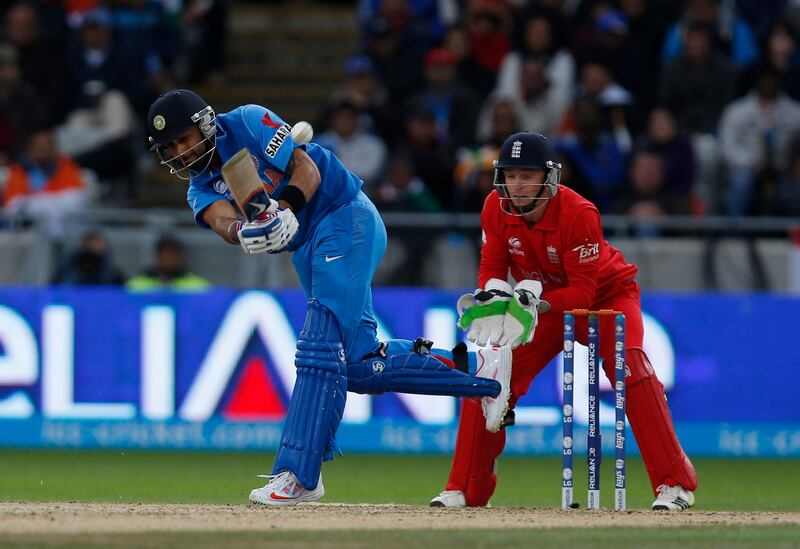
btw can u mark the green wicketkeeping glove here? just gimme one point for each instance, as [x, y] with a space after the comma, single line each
[519, 322]
[481, 313]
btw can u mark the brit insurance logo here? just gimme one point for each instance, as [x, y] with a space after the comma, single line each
[587, 252]
[516, 149]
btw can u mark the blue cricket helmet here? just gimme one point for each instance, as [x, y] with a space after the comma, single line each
[172, 115]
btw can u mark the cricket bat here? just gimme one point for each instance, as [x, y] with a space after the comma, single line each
[241, 177]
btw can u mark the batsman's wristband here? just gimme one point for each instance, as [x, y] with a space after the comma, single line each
[294, 197]
[232, 236]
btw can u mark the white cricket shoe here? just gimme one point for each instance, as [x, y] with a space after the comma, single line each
[284, 489]
[495, 363]
[673, 498]
[450, 498]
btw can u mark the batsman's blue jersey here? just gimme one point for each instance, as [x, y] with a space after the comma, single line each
[341, 238]
[268, 139]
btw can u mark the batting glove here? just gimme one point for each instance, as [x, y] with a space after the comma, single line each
[271, 232]
[481, 313]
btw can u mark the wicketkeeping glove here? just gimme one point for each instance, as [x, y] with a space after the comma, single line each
[270, 232]
[519, 322]
[481, 313]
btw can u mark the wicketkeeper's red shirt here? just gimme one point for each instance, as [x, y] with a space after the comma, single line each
[565, 250]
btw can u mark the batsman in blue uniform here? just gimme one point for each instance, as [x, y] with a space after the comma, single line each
[337, 239]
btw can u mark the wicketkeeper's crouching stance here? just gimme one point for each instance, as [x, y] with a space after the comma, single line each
[252, 184]
[550, 239]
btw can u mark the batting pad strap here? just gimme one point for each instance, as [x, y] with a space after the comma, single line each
[318, 398]
[461, 357]
[416, 374]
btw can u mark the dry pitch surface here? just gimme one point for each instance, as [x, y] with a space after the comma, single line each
[99, 518]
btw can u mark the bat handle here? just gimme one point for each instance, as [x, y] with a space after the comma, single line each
[258, 205]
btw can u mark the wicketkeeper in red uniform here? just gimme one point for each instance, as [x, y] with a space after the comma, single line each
[550, 239]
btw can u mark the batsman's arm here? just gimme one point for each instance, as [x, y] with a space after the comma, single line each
[222, 218]
[304, 175]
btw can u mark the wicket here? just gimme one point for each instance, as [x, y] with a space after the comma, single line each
[594, 443]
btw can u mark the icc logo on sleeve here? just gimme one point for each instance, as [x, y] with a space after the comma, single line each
[220, 187]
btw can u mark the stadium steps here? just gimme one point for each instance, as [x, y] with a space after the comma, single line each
[288, 58]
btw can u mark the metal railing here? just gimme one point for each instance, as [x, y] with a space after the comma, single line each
[617, 224]
[416, 254]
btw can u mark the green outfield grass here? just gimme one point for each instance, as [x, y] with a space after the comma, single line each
[223, 477]
[217, 477]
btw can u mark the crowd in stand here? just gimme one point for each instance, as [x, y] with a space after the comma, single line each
[656, 107]
[76, 78]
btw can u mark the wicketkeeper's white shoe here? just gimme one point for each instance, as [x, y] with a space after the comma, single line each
[284, 489]
[450, 498]
[673, 498]
[495, 363]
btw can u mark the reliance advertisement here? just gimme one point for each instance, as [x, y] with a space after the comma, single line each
[214, 370]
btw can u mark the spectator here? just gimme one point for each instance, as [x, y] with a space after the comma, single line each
[22, 108]
[431, 157]
[362, 153]
[99, 136]
[675, 150]
[397, 67]
[647, 24]
[403, 190]
[647, 198]
[608, 43]
[205, 37]
[696, 86]
[784, 56]
[698, 83]
[453, 105]
[363, 88]
[419, 23]
[90, 263]
[730, 35]
[488, 25]
[96, 57]
[474, 176]
[612, 101]
[755, 134]
[470, 73]
[40, 63]
[538, 43]
[169, 271]
[542, 107]
[142, 28]
[499, 118]
[44, 185]
[596, 160]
